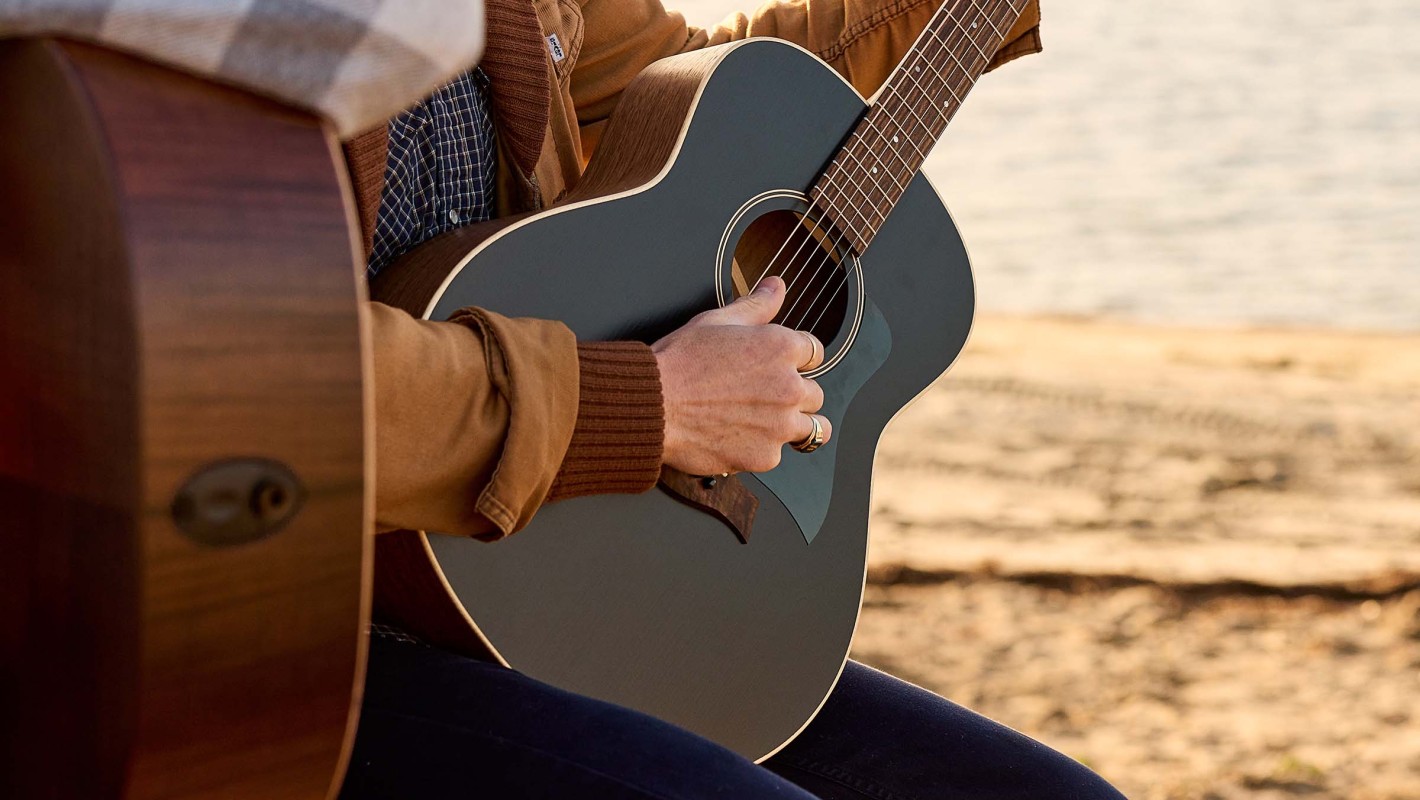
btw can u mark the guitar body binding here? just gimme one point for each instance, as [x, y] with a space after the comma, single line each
[642, 600]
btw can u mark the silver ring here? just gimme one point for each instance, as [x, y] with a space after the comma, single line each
[814, 440]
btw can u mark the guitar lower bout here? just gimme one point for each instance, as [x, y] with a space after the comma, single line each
[698, 187]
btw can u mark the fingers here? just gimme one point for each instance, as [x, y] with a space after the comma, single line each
[806, 429]
[756, 308]
[813, 396]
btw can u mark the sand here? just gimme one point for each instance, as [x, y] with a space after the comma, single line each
[1186, 557]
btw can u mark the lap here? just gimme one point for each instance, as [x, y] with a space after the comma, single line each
[880, 737]
[437, 725]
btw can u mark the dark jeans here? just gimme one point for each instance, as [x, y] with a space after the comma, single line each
[436, 725]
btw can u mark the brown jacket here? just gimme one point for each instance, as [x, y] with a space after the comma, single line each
[482, 419]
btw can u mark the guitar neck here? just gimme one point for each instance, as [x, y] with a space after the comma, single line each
[871, 170]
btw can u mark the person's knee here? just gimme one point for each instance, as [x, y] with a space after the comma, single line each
[1067, 779]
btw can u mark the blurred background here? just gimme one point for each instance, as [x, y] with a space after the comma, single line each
[1164, 513]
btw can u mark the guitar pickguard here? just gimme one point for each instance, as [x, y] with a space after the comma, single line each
[803, 482]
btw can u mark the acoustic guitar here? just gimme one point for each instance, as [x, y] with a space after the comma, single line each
[183, 522]
[725, 605]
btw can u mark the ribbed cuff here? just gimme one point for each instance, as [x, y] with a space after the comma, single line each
[617, 442]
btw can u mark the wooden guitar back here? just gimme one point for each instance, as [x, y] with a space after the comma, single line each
[183, 522]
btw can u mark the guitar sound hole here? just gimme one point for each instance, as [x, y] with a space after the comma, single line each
[788, 244]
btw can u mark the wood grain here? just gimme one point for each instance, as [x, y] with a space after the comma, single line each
[648, 124]
[178, 287]
[725, 497]
[411, 592]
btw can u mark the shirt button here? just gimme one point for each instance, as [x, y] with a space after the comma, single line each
[453, 216]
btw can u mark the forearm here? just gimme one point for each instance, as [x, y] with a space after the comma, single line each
[465, 442]
[481, 420]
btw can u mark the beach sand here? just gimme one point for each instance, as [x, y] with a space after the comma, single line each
[1186, 557]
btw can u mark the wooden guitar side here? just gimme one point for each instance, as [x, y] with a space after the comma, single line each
[178, 289]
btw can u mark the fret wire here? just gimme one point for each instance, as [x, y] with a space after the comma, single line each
[947, 82]
[831, 205]
[866, 195]
[950, 50]
[851, 193]
[913, 112]
[987, 17]
[883, 164]
[856, 222]
[855, 208]
[851, 161]
[936, 34]
[841, 189]
[850, 151]
[912, 105]
[902, 128]
[1008, 18]
[911, 166]
[900, 101]
[879, 159]
[868, 120]
[975, 45]
[943, 78]
[858, 134]
[947, 47]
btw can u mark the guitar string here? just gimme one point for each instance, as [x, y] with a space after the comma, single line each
[945, 118]
[911, 108]
[808, 235]
[769, 268]
[911, 105]
[932, 133]
[829, 256]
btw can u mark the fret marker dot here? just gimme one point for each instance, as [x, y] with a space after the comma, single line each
[894, 140]
[875, 170]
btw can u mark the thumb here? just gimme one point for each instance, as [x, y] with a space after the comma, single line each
[756, 308]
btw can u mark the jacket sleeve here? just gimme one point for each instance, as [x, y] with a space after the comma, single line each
[862, 39]
[481, 419]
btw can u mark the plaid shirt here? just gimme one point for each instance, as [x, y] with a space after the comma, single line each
[439, 174]
[355, 63]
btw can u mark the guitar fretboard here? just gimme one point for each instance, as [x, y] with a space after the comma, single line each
[872, 169]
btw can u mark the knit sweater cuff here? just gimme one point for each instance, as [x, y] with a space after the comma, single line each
[616, 444]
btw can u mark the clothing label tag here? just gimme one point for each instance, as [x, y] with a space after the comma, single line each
[556, 47]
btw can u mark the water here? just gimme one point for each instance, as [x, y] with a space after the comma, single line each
[1205, 161]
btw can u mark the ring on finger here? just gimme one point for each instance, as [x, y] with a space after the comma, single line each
[815, 352]
[814, 440]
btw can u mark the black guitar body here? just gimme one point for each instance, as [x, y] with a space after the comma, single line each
[643, 600]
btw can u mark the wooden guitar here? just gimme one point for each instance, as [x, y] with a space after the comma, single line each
[183, 566]
[718, 167]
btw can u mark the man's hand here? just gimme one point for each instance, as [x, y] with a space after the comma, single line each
[732, 387]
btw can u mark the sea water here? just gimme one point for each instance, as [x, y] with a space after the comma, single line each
[1207, 161]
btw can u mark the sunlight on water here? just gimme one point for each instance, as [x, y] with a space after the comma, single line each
[1207, 161]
